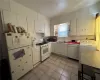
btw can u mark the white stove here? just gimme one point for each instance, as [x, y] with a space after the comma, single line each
[44, 50]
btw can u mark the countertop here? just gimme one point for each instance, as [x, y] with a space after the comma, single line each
[67, 42]
[91, 59]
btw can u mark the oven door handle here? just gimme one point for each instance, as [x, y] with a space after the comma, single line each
[45, 46]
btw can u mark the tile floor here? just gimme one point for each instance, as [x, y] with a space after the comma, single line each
[54, 68]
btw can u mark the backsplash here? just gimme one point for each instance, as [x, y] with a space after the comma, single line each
[77, 38]
[39, 36]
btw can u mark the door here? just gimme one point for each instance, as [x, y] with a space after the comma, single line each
[53, 47]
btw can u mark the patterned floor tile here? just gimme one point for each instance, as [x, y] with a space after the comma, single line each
[54, 68]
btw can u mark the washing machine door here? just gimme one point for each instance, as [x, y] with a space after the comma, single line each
[25, 40]
[16, 65]
[12, 40]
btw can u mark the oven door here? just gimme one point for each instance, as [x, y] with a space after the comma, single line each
[44, 52]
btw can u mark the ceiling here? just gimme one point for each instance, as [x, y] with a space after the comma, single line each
[52, 8]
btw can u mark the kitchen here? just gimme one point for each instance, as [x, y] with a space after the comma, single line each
[51, 46]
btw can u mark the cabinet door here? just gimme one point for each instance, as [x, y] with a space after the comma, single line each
[30, 23]
[39, 26]
[73, 52]
[9, 17]
[42, 26]
[62, 49]
[36, 54]
[47, 28]
[53, 47]
[82, 16]
[73, 27]
[49, 47]
[22, 21]
[90, 29]
[56, 48]
[5, 4]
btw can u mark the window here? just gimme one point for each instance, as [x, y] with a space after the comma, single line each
[61, 30]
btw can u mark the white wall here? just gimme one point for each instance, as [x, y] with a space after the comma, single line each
[78, 19]
[22, 14]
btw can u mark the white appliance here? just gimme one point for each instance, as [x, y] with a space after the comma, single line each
[16, 40]
[44, 50]
[87, 46]
[20, 64]
[19, 53]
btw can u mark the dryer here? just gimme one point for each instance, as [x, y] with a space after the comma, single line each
[12, 40]
[16, 40]
[20, 61]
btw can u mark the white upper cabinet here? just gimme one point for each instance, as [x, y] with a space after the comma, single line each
[85, 22]
[73, 27]
[39, 24]
[22, 21]
[47, 28]
[73, 24]
[9, 17]
[30, 23]
[5, 4]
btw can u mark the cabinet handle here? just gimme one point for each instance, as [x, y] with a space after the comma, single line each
[12, 71]
[18, 65]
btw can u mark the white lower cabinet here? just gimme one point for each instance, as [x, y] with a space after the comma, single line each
[73, 51]
[59, 48]
[36, 54]
[69, 50]
[62, 49]
[49, 47]
[52, 47]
